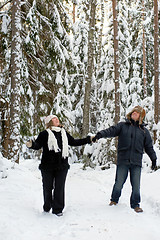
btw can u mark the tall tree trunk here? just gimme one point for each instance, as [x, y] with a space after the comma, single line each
[4, 105]
[90, 68]
[15, 83]
[5, 127]
[100, 36]
[116, 64]
[116, 69]
[156, 68]
[74, 10]
[144, 56]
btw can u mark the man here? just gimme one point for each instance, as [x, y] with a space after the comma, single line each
[133, 138]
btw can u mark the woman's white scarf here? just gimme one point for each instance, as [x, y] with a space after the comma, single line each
[52, 141]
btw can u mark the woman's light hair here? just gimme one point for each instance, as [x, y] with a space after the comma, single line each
[50, 124]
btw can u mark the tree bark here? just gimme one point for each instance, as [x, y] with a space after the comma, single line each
[116, 69]
[74, 10]
[144, 56]
[90, 69]
[156, 68]
[116, 64]
[5, 127]
[15, 83]
[100, 36]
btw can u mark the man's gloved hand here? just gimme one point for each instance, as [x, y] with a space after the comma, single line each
[29, 143]
[154, 166]
[92, 137]
[96, 137]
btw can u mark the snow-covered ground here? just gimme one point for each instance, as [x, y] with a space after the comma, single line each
[87, 214]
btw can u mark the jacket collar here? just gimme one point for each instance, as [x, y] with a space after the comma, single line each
[131, 121]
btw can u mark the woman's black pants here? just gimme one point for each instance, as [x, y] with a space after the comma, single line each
[54, 190]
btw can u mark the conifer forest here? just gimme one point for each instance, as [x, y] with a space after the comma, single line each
[87, 61]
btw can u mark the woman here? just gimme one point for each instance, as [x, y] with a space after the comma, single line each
[54, 163]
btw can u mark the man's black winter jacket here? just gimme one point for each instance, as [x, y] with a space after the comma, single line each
[133, 140]
[50, 159]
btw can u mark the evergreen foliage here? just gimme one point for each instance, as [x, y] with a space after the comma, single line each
[54, 58]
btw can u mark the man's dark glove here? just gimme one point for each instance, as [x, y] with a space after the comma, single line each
[95, 138]
[154, 166]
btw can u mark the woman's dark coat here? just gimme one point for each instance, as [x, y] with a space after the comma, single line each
[50, 159]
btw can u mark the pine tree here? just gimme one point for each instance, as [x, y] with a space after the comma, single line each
[47, 66]
[49, 62]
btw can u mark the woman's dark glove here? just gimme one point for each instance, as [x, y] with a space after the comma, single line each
[89, 139]
[154, 166]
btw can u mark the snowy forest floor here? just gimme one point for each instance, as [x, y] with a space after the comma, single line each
[87, 214]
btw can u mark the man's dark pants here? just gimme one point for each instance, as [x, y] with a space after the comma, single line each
[121, 176]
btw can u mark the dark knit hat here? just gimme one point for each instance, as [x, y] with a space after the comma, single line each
[139, 110]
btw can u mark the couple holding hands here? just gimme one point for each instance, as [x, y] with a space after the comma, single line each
[133, 139]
